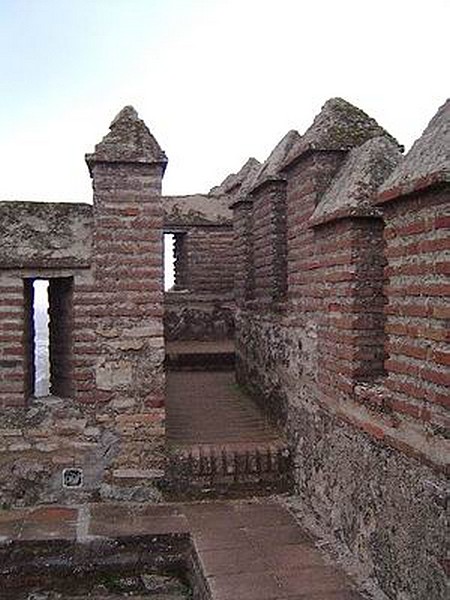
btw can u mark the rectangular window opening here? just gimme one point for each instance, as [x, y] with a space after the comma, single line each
[48, 336]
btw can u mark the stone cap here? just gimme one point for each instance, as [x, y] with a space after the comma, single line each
[275, 161]
[196, 210]
[45, 235]
[233, 182]
[129, 140]
[426, 164]
[352, 191]
[339, 126]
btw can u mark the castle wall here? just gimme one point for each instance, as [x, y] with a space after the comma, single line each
[354, 364]
[336, 266]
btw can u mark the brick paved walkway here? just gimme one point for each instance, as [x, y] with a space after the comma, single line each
[209, 408]
[238, 550]
[220, 445]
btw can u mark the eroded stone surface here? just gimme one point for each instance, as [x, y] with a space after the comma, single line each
[186, 211]
[53, 434]
[44, 234]
[338, 126]
[129, 140]
[427, 162]
[352, 192]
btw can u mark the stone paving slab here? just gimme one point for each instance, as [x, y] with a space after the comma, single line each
[246, 550]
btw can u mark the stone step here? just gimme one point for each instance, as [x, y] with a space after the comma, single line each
[231, 471]
[200, 356]
[195, 361]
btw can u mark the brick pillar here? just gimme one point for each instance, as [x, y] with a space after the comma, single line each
[416, 205]
[125, 298]
[308, 177]
[347, 266]
[349, 261]
[243, 251]
[269, 242]
[418, 289]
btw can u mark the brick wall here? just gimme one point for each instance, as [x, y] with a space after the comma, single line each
[16, 339]
[417, 313]
[210, 260]
[269, 247]
[243, 248]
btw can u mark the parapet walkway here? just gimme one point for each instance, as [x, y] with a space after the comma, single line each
[219, 442]
[234, 550]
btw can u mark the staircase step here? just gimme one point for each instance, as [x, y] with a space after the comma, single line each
[195, 361]
[200, 356]
[219, 443]
[231, 471]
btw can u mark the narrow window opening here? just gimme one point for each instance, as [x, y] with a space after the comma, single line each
[41, 338]
[175, 261]
[48, 336]
[169, 261]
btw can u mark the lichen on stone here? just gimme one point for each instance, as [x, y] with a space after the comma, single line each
[129, 140]
[428, 161]
[338, 126]
[352, 191]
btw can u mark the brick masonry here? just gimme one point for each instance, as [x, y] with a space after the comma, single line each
[354, 363]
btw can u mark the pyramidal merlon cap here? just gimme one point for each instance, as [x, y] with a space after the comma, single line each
[272, 165]
[338, 126]
[353, 191]
[426, 164]
[128, 140]
[237, 180]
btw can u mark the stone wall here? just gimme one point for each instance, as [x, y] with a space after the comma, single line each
[353, 363]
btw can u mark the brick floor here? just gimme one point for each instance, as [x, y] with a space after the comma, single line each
[220, 444]
[209, 408]
[246, 550]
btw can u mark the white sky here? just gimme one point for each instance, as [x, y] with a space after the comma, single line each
[215, 80]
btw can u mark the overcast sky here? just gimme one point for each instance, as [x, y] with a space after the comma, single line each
[216, 81]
